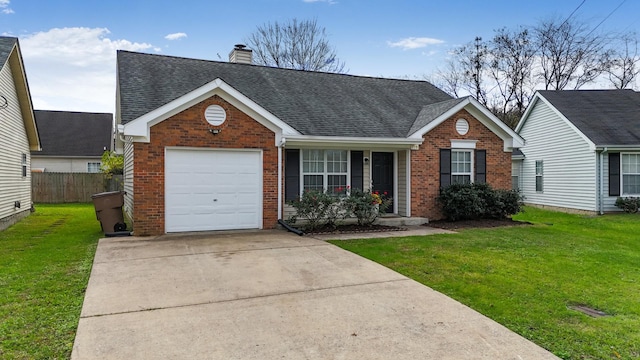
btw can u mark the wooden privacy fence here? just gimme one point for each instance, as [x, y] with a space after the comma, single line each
[71, 187]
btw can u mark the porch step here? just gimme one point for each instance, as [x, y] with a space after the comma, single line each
[401, 221]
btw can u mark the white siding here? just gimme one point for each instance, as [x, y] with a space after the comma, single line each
[128, 179]
[569, 164]
[61, 164]
[401, 196]
[366, 171]
[13, 143]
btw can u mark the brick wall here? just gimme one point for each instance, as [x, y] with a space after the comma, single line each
[189, 128]
[425, 162]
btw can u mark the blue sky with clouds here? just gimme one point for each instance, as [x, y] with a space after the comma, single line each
[69, 46]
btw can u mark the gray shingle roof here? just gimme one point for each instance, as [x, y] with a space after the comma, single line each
[428, 113]
[65, 133]
[314, 103]
[606, 117]
[6, 44]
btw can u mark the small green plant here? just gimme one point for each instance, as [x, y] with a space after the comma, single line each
[628, 204]
[478, 201]
[366, 206]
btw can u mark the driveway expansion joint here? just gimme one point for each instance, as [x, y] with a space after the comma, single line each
[247, 298]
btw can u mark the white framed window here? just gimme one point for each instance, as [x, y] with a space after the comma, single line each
[539, 175]
[325, 170]
[630, 164]
[461, 165]
[24, 165]
[515, 175]
[93, 167]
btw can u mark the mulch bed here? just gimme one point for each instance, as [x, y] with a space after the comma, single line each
[353, 229]
[468, 224]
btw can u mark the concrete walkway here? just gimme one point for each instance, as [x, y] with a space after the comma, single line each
[271, 295]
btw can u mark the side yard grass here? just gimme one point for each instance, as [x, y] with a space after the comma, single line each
[528, 277]
[45, 262]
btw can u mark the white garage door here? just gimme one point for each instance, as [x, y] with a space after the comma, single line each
[212, 190]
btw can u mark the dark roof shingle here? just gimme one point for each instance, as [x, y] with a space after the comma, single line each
[606, 117]
[314, 103]
[6, 44]
[66, 133]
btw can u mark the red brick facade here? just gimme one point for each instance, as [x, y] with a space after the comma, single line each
[425, 162]
[190, 129]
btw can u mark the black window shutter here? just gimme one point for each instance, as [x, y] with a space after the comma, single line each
[357, 169]
[614, 174]
[481, 166]
[291, 174]
[445, 168]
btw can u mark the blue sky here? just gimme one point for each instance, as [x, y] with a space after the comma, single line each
[69, 46]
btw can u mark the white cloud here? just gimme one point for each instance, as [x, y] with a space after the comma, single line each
[176, 36]
[4, 7]
[73, 68]
[414, 43]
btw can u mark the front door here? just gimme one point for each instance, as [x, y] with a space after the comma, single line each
[382, 175]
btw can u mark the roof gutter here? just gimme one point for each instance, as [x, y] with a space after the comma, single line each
[338, 141]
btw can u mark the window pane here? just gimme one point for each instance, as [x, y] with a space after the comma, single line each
[631, 184]
[515, 182]
[312, 161]
[461, 163]
[313, 182]
[539, 183]
[460, 179]
[337, 161]
[337, 184]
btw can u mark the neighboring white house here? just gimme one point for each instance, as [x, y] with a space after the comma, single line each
[72, 142]
[582, 149]
[18, 135]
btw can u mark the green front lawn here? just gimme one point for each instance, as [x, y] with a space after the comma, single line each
[526, 277]
[45, 261]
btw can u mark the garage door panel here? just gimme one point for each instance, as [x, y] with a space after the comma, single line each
[212, 190]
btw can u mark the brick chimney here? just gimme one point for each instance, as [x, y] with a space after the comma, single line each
[241, 55]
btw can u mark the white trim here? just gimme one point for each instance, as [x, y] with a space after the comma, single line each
[463, 144]
[472, 164]
[140, 128]
[511, 138]
[537, 97]
[280, 182]
[325, 173]
[408, 185]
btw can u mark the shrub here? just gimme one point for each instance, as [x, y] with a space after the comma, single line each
[366, 206]
[478, 201]
[628, 204]
[313, 206]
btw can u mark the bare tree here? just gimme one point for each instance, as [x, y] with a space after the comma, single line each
[450, 79]
[623, 69]
[300, 45]
[512, 57]
[571, 53]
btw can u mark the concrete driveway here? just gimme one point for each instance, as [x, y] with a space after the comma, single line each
[271, 295]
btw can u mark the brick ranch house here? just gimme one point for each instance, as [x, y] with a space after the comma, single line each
[214, 145]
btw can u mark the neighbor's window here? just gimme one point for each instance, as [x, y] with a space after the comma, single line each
[24, 165]
[539, 175]
[461, 166]
[630, 174]
[93, 167]
[325, 170]
[515, 175]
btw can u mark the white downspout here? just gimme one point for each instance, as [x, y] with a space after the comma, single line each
[601, 197]
[280, 146]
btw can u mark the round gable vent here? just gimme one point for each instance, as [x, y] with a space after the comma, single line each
[462, 126]
[215, 115]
